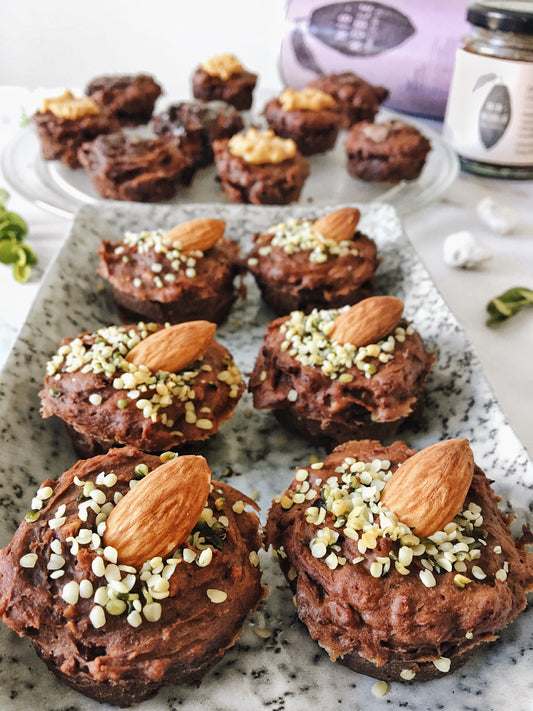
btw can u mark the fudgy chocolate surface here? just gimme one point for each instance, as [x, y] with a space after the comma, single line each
[334, 410]
[127, 167]
[260, 183]
[237, 90]
[291, 281]
[145, 283]
[61, 138]
[193, 126]
[389, 151]
[358, 99]
[392, 623]
[312, 131]
[194, 407]
[131, 98]
[119, 663]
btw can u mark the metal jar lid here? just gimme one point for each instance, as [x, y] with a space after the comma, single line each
[504, 16]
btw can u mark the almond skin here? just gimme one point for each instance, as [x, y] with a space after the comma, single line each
[156, 516]
[429, 489]
[339, 225]
[173, 348]
[200, 234]
[368, 321]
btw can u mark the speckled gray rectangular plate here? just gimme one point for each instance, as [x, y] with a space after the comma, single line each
[286, 671]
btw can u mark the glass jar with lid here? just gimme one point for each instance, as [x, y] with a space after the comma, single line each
[489, 113]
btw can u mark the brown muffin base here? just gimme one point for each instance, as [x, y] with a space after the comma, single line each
[260, 183]
[129, 168]
[312, 131]
[214, 309]
[283, 301]
[86, 447]
[237, 90]
[330, 433]
[390, 671]
[379, 169]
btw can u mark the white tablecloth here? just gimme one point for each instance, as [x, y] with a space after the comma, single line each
[506, 353]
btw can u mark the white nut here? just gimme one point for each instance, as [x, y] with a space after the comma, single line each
[498, 217]
[461, 249]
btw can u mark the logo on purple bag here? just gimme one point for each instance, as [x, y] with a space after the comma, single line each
[360, 29]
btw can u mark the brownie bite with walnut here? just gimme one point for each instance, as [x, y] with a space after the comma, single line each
[131, 98]
[223, 78]
[391, 581]
[390, 151]
[127, 167]
[309, 116]
[194, 126]
[303, 264]
[65, 122]
[184, 274]
[132, 572]
[357, 99]
[340, 374]
[261, 168]
[152, 386]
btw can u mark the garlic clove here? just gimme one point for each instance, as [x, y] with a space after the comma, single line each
[462, 250]
[500, 218]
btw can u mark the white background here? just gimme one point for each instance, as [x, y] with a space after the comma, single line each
[76, 41]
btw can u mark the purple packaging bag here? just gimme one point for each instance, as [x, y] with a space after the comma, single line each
[407, 46]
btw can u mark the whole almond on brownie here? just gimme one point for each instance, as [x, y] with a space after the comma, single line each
[407, 605]
[430, 488]
[122, 562]
[338, 374]
[200, 234]
[158, 514]
[339, 225]
[302, 264]
[149, 385]
[173, 348]
[369, 321]
[186, 273]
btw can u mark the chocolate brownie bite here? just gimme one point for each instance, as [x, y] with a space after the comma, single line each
[152, 386]
[390, 151]
[131, 98]
[223, 78]
[340, 374]
[193, 126]
[357, 99]
[261, 168]
[65, 122]
[184, 274]
[380, 597]
[303, 264]
[128, 167]
[123, 563]
[309, 116]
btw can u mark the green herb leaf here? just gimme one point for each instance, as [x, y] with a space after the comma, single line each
[24, 119]
[508, 304]
[12, 249]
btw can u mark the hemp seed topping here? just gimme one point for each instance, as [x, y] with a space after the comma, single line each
[351, 503]
[104, 352]
[307, 339]
[297, 236]
[122, 589]
[169, 259]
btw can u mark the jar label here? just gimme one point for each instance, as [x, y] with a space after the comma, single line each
[489, 114]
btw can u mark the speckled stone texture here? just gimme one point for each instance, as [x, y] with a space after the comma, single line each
[287, 671]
